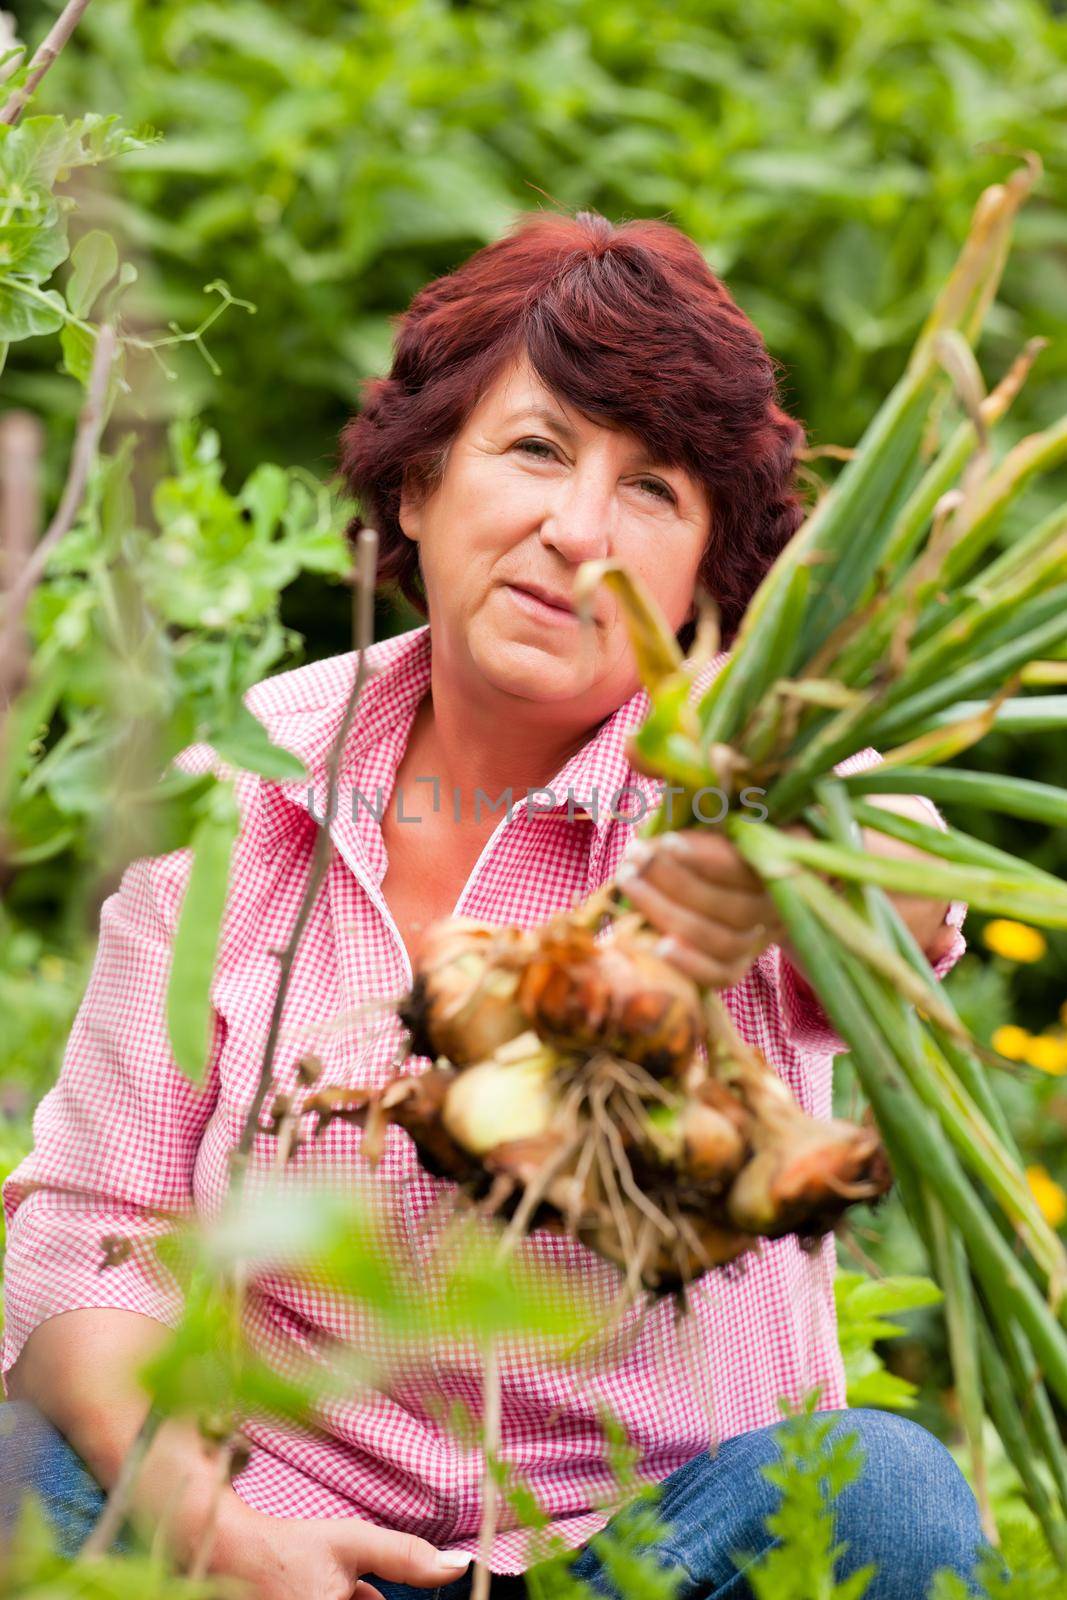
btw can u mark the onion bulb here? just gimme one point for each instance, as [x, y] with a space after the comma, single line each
[803, 1171]
[512, 1095]
[615, 995]
[705, 1137]
[463, 1004]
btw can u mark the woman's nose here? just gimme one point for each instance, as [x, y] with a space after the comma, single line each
[578, 521]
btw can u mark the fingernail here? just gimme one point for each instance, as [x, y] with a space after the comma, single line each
[674, 841]
[627, 871]
[636, 853]
[666, 947]
[454, 1560]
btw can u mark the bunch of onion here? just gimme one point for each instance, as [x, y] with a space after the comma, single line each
[908, 614]
[575, 1086]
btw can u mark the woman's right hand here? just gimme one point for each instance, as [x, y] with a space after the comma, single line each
[290, 1558]
[78, 1369]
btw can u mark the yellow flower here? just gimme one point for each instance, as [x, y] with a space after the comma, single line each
[1049, 1196]
[1014, 940]
[1011, 1041]
[1047, 1053]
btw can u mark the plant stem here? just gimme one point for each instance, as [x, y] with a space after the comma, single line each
[962, 1327]
[43, 57]
[90, 424]
[111, 1518]
[491, 1446]
[366, 566]
[908, 1126]
[223, 1466]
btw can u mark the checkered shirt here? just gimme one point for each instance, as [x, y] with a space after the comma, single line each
[124, 1141]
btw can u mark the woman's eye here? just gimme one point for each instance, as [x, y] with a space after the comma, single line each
[653, 486]
[659, 490]
[527, 445]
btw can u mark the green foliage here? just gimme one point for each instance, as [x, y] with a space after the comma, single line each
[824, 156]
[36, 155]
[1027, 1577]
[207, 1369]
[172, 623]
[864, 1306]
[812, 1471]
[189, 1011]
[633, 1547]
[31, 1568]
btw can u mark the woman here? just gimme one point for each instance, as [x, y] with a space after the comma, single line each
[574, 390]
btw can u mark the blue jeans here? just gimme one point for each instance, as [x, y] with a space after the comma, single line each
[910, 1510]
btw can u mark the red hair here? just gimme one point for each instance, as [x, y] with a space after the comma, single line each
[628, 325]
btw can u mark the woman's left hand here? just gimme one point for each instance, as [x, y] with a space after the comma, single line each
[697, 889]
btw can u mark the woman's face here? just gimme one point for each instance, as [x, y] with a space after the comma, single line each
[530, 490]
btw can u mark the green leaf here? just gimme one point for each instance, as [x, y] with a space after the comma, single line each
[878, 1297]
[883, 1390]
[94, 262]
[994, 791]
[34, 249]
[127, 275]
[77, 346]
[189, 1010]
[245, 744]
[265, 495]
[26, 311]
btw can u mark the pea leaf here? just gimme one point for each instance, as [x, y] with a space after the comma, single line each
[77, 346]
[94, 262]
[26, 310]
[34, 249]
[245, 744]
[189, 1020]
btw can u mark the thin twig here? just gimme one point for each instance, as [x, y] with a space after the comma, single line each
[206, 1542]
[89, 425]
[21, 449]
[113, 1515]
[491, 1448]
[366, 568]
[164, 1526]
[43, 57]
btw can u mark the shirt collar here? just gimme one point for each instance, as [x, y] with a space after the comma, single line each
[598, 779]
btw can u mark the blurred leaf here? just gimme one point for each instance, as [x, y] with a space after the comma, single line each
[77, 346]
[189, 1008]
[245, 743]
[94, 262]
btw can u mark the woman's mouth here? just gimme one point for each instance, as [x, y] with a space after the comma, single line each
[541, 610]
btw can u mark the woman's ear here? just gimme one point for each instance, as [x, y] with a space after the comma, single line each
[410, 513]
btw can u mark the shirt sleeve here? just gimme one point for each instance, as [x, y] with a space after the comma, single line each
[116, 1139]
[803, 1016]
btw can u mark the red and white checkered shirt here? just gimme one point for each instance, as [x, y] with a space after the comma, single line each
[124, 1136]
